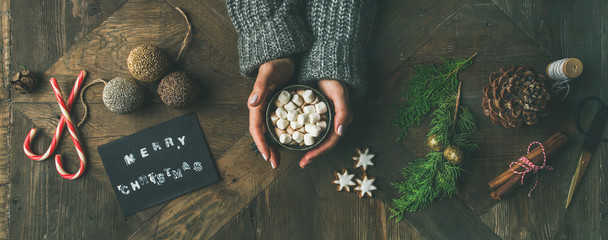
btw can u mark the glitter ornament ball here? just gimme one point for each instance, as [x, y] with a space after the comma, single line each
[178, 90]
[122, 95]
[147, 63]
[453, 154]
[433, 144]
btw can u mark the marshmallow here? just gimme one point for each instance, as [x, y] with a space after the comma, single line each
[281, 113]
[308, 127]
[279, 131]
[292, 115]
[314, 118]
[309, 139]
[300, 92]
[290, 106]
[322, 124]
[278, 104]
[284, 97]
[308, 96]
[285, 138]
[295, 124]
[297, 137]
[321, 107]
[274, 118]
[289, 129]
[309, 109]
[303, 119]
[315, 131]
[297, 99]
[282, 124]
[315, 101]
[299, 110]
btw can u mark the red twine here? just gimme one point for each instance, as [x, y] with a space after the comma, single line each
[529, 166]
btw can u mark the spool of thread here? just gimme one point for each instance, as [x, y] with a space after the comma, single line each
[562, 72]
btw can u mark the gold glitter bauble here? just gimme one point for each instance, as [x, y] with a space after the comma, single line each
[147, 63]
[453, 154]
[433, 144]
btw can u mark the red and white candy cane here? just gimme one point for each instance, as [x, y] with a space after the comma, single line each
[73, 134]
[65, 119]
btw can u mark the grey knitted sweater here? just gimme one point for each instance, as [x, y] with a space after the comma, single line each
[326, 37]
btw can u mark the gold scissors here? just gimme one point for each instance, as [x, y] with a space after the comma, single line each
[592, 140]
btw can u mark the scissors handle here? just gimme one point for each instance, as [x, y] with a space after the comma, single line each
[600, 104]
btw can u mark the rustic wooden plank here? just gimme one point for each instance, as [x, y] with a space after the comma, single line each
[543, 216]
[498, 43]
[211, 19]
[401, 27]
[222, 125]
[200, 214]
[4, 118]
[45, 30]
[432, 222]
[5, 46]
[44, 205]
[536, 18]
[603, 151]
[314, 210]
[5, 127]
[104, 52]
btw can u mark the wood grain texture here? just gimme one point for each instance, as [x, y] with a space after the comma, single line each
[252, 201]
[5, 130]
[43, 204]
[580, 33]
[200, 214]
[401, 27]
[5, 48]
[42, 31]
[211, 18]
[304, 204]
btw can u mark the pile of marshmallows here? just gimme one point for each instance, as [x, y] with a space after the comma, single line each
[300, 118]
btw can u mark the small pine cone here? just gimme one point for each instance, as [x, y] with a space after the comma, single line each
[24, 81]
[515, 96]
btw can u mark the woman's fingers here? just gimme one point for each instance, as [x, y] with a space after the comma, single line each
[338, 95]
[329, 143]
[256, 128]
[275, 157]
[270, 75]
[260, 89]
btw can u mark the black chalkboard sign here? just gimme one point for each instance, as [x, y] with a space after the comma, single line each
[158, 164]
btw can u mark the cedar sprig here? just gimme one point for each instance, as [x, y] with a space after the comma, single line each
[428, 88]
[432, 177]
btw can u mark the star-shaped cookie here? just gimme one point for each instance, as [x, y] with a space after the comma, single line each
[344, 180]
[366, 186]
[364, 159]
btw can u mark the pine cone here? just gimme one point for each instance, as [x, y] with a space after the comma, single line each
[24, 81]
[515, 96]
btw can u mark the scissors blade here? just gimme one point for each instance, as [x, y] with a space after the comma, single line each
[583, 163]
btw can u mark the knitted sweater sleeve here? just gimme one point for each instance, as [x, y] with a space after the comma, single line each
[268, 30]
[341, 31]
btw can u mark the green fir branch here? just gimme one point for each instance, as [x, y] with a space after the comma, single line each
[428, 88]
[433, 177]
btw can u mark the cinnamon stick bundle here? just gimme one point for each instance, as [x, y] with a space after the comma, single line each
[508, 180]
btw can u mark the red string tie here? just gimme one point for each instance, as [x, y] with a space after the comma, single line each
[529, 166]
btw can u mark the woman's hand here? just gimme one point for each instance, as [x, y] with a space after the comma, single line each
[338, 94]
[270, 75]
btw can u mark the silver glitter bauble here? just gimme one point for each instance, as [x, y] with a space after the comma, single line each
[122, 95]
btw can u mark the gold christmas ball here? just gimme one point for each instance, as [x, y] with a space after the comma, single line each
[453, 154]
[433, 144]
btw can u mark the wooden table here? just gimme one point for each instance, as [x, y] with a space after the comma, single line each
[58, 38]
